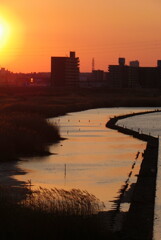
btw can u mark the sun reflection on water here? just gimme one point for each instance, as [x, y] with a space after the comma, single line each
[92, 157]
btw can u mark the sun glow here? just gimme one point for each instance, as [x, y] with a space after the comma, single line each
[11, 38]
[5, 32]
[1, 31]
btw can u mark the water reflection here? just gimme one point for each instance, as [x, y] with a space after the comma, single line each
[92, 157]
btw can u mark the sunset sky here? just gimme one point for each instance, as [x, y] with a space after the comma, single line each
[31, 31]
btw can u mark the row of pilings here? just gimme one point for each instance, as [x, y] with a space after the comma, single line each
[138, 224]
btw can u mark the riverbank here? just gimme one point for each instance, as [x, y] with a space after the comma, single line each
[97, 223]
[23, 113]
[52, 105]
[138, 224]
[24, 134]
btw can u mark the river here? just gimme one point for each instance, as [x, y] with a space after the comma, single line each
[92, 157]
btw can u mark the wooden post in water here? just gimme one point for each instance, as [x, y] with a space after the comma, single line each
[65, 170]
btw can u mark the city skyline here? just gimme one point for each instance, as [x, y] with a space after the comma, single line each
[32, 32]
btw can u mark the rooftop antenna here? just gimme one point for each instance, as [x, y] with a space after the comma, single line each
[93, 64]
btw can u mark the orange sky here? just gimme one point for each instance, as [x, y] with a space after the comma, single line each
[103, 29]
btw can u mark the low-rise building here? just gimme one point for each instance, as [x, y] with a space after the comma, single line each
[134, 76]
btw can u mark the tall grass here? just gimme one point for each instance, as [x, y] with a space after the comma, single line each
[51, 214]
[25, 134]
[63, 202]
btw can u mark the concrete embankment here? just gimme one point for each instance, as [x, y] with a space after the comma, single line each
[138, 224]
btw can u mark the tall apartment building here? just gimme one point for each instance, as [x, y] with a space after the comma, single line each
[65, 71]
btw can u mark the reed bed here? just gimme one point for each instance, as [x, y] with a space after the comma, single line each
[50, 214]
[63, 202]
[58, 202]
[25, 134]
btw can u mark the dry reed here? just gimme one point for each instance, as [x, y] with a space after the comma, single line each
[63, 202]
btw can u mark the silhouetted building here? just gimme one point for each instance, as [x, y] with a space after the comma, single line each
[148, 77]
[94, 79]
[133, 81]
[133, 76]
[98, 75]
[6, 77]
[65, 71]
[118, 74]
[159, 73]
[158, 63]
[134, 63]
[121, 61]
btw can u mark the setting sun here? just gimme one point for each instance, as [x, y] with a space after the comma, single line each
[11, 35]
[105, 30]
[5, 33]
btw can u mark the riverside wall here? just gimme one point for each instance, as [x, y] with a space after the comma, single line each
[138, 224]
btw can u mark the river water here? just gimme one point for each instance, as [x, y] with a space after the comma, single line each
[92, 158]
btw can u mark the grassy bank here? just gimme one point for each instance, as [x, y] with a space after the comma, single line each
[24, 130]
[49, 103]
[25, 134]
